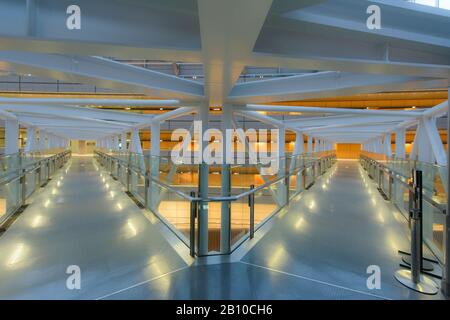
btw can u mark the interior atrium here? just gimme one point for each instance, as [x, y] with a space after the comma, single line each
[224, 149]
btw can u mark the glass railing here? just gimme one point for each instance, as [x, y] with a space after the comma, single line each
[21, 174]
[170, 191]
[393, 177]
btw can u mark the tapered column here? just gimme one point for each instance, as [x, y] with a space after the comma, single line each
[310, 144]
[116, 142]
[400, 141]
[387, 145]
[203, 186]
[123, 141]
[225, 219]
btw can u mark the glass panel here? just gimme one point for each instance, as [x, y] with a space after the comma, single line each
[31, 181]
[137, 185]
[9, 198]
[266, 202]
[173, 208]
[240, 219]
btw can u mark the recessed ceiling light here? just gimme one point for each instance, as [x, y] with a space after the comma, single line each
[161, 109]
[127, 108]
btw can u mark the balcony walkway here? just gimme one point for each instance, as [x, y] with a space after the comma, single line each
[319, 248]
[86, 222]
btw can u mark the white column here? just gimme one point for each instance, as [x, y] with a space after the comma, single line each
[203, 186]
[30, 139]
[225, 221]
[116, 142]
[42, 140]
[11, 136]
[155, 139]
[387, 141]
[400, 141]
[123, 141]
[135, 144]
[310, 143]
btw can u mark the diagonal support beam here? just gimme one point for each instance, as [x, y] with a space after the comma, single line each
[102, 72]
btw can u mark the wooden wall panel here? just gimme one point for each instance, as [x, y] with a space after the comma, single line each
[348, 150]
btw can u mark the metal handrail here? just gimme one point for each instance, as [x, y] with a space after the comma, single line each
[219, 199]
[128, 167]
[26, 168]
[20, 173]
[396, 175]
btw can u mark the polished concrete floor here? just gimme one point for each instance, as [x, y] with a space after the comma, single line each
[319, 248]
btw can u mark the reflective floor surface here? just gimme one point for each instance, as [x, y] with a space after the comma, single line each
[319, 248]
[79, 219]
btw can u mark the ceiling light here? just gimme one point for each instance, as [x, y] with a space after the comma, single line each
[161, 109]
[127, 108]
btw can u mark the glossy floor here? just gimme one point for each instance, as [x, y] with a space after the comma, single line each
[319, 248]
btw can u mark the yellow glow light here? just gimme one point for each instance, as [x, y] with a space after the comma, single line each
[37, 221]
[132, 228]
[299, 223]
[16, 254]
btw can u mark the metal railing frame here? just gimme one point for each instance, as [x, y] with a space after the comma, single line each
[373, 167]
[109, 162]
[52, 164]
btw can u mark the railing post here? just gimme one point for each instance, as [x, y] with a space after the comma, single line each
[38, 170]
[251, 204]
[146, 187]
[287, 182]
[304, 177]
[380, 176]
[23, 185]
[193, 216]
[413, 278]
[391, 182]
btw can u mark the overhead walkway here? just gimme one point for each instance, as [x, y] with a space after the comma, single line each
[318, 246]
[82, 217]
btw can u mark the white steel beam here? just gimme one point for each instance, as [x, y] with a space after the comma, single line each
[102, 72]
[325, 84]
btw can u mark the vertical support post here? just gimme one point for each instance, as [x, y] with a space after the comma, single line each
[146, 186]
[203, 181]
[225, 215]
[446, 272]
[400, 140]
[413, 278]
[310, 144]
[281, 153]
[192, 224]
[23, 186]
[251, 204]
[11, 136]
[123, 141]
[296, 159]
[116, 142]
[153, 162]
